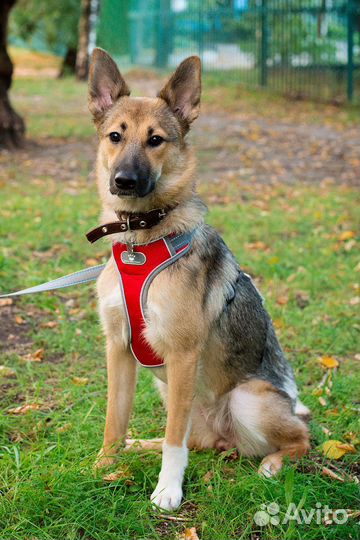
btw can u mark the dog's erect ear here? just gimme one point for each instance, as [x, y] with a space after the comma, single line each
[183, 89]
[106, 84]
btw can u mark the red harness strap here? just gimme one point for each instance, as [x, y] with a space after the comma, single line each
[137, 268]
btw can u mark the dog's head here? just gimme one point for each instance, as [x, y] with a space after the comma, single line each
[142, 152]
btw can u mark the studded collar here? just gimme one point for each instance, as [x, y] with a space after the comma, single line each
[129, 221]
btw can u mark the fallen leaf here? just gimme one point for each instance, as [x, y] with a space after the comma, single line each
[49, 324]
[36, 356]
[256, 245]
[19, 320]
[282, 300]
[80, 381]
[349, 448]
[322, 401]
[6, 302]
[352, 437]
[23, 409]
[78, 331]
[122, 474]
[346, 235]
[64, 428]
[349, 245]
[208, 477]
[334, 449]
[189, 534]
[332, 412]
[302, 299]
[328, 362]
[278, 323]
[7, 372]
[354, 301]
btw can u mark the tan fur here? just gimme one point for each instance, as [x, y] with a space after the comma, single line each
[254, 416]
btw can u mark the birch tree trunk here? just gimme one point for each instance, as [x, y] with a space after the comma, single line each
[82, 58]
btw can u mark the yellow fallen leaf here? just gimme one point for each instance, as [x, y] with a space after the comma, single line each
[329, 362]
[349, 448]
[7, 372]
[334, 449]
[19, 320]
[80, 381]
[346, 235]
[189, 534]
[278, 324]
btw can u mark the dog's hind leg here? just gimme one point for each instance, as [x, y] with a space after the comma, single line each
[264, 424]
[121, 370]
[202, 434]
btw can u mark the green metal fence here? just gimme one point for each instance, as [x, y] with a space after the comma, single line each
[303, 48]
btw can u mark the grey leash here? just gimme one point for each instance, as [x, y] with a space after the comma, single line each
[82, 276]
[92, 273]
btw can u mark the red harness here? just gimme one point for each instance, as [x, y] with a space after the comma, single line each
[138, 265]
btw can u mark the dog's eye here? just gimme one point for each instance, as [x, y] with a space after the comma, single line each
[155, 140]
[115, 137]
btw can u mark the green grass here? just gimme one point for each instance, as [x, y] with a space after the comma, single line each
[47, 485]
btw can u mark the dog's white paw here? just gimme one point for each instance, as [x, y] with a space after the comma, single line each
[270, 466]
[167, 497]
[265, 469]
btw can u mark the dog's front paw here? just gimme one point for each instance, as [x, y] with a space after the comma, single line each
[167, 497]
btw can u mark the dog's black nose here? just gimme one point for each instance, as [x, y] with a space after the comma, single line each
[125, 181]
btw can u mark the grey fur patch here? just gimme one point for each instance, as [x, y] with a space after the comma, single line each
[243, 326]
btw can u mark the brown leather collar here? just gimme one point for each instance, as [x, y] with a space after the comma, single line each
[129, 222]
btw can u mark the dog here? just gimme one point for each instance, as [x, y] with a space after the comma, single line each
[224, 378]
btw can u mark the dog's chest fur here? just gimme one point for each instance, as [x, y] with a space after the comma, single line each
[172, 322]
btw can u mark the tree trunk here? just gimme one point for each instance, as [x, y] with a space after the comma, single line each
[68, 63]
[82, 58]
[12, 127]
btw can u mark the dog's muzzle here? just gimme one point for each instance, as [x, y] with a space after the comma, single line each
[125, 184]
